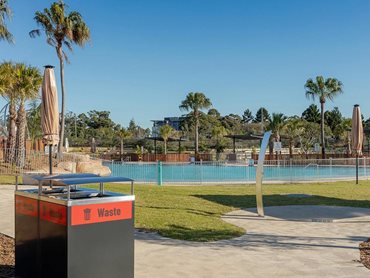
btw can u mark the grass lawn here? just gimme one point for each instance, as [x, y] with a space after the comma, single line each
[9, 179]
[193, 212]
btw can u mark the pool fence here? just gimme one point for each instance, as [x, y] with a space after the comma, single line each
[13, 162]
[203, 172]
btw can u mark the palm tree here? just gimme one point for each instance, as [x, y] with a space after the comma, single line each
[275, 125]
[123, 134]
[166, 131]
[61, 30]
[27, 84]
[219, 132]
[195, 102]
[7, 90]
[323, 89]
[5, 13]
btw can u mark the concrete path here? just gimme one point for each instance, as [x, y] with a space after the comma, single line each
[291, 241]
[7, 210]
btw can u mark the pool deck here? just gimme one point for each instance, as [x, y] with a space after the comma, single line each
[290, 241]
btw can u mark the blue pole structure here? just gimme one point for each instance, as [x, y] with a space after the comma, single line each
[160, 176]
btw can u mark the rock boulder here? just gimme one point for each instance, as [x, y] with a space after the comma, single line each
[94, 167]
[68, 166]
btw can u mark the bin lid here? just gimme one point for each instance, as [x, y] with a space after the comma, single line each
[85, 180]
[63, 176]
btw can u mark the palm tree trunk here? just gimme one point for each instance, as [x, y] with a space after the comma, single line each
[21, 132]
[271, 148]
[62, 121]
[277, 139]
[165, 146]
[12, 132]
[121, 150]
[322, 131]
[290, 148]
[196, 133]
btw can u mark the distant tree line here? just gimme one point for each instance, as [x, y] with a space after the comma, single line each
[297, 131]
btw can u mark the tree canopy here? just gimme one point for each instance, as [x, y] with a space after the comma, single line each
[5, 14]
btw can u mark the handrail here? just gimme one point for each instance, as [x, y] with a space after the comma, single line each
[312, 164]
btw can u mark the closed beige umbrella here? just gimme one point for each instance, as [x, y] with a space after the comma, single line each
[357, 135]
[49, 111]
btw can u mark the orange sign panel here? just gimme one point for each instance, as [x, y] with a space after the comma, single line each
[53, 213]
[96, 213]
[25, 206]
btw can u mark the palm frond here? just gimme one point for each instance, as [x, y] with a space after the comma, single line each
[34, 33]
[313, 89]
[5, 13]
[68, 45]
[5, 34]
[44, 20]
[57, 12]
[65, 56]
[51, 41]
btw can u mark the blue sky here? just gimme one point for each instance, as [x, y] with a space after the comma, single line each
[145, 56]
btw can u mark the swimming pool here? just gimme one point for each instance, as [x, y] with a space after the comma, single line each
[216, 172]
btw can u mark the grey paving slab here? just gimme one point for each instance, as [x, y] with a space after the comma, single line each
[7, 210]
[285, 243]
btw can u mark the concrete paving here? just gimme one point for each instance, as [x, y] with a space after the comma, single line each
[7, 210]
[290, 241]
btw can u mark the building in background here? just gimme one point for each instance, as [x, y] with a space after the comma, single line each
[175, 122]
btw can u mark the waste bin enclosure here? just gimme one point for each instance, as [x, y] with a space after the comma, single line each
[68, 231]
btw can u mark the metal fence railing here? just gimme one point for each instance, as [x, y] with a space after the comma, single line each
[241, 172]
[13, 162]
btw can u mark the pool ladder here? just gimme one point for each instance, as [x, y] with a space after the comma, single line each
[312, 164]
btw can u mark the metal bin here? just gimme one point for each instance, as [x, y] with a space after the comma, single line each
[63, 230]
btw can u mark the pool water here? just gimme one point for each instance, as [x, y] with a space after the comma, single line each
[148, 172]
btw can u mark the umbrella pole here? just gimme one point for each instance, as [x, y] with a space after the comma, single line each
[356, 168]
[50, 161]
[50, 164]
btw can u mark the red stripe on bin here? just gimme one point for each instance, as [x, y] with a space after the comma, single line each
[53, 213]
[96, 213]
[25, 206]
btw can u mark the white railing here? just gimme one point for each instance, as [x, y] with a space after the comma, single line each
[287, 171]
[311, 164]
[243, 172]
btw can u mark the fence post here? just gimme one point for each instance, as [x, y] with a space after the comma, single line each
[365, 174]
[290, 169]
[160, 176]
[16, 182]
[247, 170]
[201, 171]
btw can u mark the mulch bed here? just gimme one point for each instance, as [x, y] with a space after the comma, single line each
[6, 256]
[365, 253]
